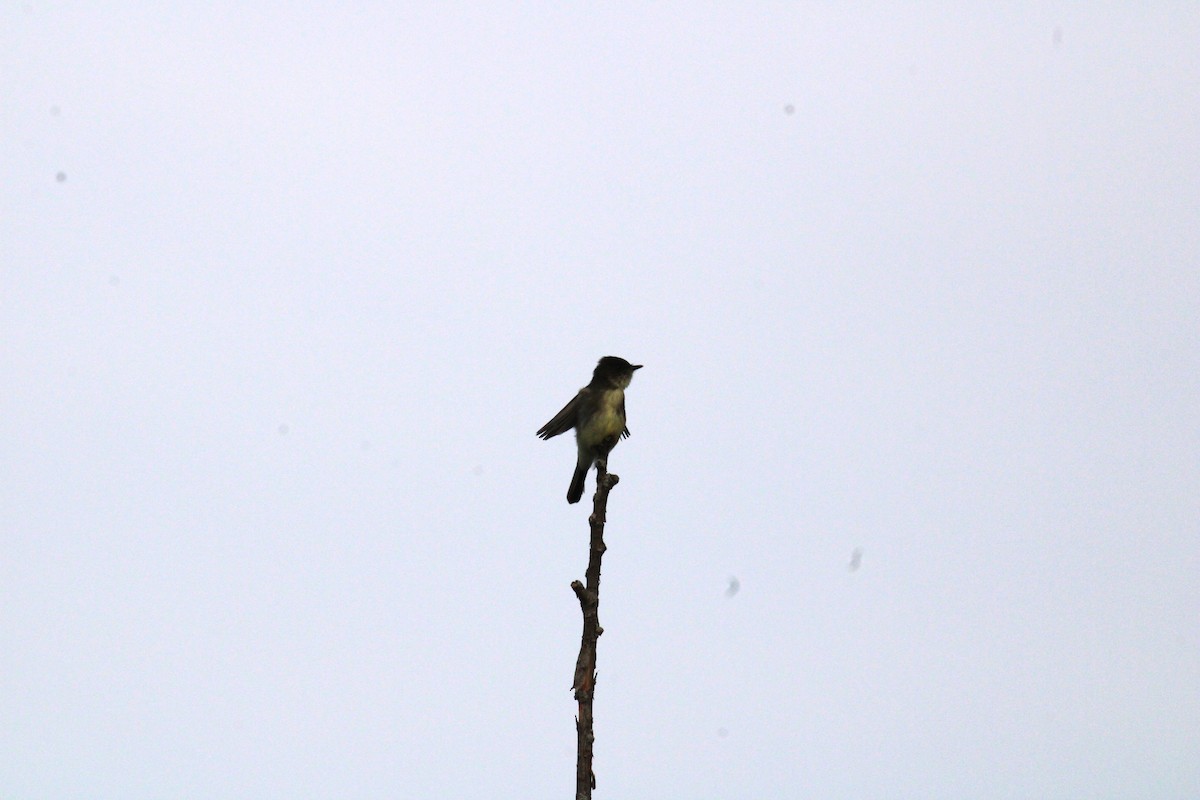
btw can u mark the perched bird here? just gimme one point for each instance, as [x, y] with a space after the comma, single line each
[597, 414]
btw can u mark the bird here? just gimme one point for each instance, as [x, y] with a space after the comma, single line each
[597, 413]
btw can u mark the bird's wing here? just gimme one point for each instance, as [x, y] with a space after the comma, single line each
[564, 420]
[624, 433]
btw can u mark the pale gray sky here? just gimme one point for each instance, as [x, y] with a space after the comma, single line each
[287, 289]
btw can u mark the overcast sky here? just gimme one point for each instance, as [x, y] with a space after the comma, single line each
[286, 289]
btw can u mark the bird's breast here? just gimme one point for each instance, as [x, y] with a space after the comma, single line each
[607, 420]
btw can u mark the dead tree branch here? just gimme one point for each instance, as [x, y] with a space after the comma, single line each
[585, 665]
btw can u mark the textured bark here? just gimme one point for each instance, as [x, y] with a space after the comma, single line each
[584, 685]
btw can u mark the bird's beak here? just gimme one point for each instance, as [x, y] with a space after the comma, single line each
[636, 366]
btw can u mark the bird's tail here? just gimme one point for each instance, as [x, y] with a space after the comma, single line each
[581, 470]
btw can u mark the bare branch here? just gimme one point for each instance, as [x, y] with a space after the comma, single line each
[584, 684]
